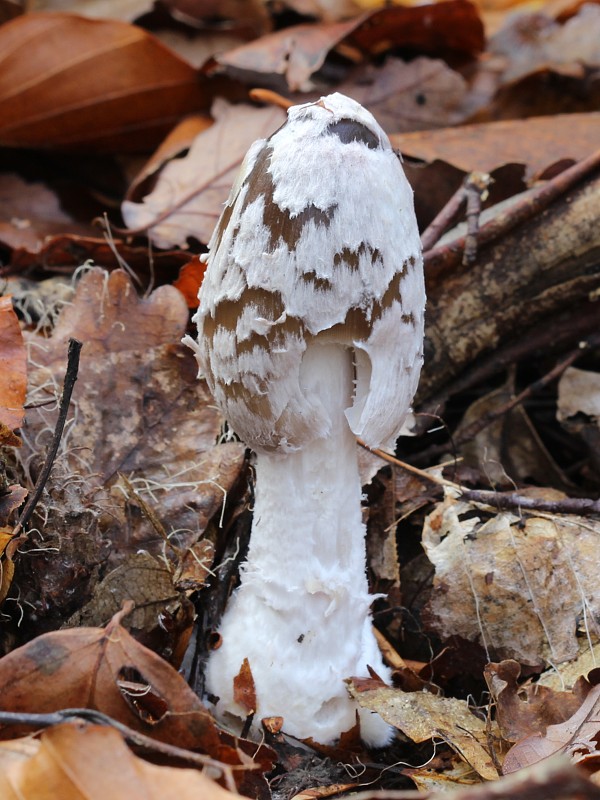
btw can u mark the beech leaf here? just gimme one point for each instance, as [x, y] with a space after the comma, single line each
[83, 668]
[537, 142]
[92, 762]
[577, 736]
[102, 85]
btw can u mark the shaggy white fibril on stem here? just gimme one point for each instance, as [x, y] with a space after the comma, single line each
[310, 332]
[301, 615]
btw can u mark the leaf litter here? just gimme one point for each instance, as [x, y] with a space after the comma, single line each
[148, 498]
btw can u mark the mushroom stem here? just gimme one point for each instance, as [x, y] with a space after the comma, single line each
[301, 614]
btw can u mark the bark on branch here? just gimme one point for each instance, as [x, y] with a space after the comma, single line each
[545, 267]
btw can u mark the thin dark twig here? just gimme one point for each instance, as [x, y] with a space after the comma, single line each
[446, 217]
[503, 501]
[509, 501]
[470, 431]
[68, 384]
[441, 258]
[476, 190]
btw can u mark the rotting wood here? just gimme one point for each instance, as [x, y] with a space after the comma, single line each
[542, 268]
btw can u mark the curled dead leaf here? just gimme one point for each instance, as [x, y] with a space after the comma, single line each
[84, 668]
[296, 53]
[577, 737]
[90, 762]
[422, 716]
[535, 142]
[189, 193]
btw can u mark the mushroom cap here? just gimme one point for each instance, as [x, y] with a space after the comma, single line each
[318, 243]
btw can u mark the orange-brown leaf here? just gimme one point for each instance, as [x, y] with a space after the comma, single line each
[107, 670]
[13, 367]
[537, 142]
[244, 690]
[190, 280]
[299, 51]
[69, 81]
[90, 762]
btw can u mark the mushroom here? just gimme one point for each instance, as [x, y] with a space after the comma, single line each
[310, 333]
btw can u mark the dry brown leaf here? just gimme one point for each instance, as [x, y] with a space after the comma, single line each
[244, 690]
[29, 213]
[162, 439]
[108, 315]
[7, 566]
[577, 737]
[537, 142]
[516, 586]
[423, 93]
[579, 393]
[13, 496]
[527, 708]
[13, 367]
[69, 81]
[325, 791]
[555, 779]
[173, 145]
[90, 762]
[535, 43]
[190, 192]
[71, 250]
[296, 53]
[126, 10]
[83, 668]
[140, 578]
[422, 716]
[458, 774]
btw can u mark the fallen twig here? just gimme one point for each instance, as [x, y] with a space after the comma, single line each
[446, 217]
[476, 191]
[439, 259]
[68, 384]
[513, 501]
[503, 501]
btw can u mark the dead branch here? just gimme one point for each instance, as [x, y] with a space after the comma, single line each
[468, 433]
[513, 501]
[446, 217]
[544, 267]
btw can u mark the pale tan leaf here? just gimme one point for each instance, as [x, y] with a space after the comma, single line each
[516, 586]
[422, 716]
[190, 192]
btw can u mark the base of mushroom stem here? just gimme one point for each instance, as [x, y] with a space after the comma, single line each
[374, 731]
